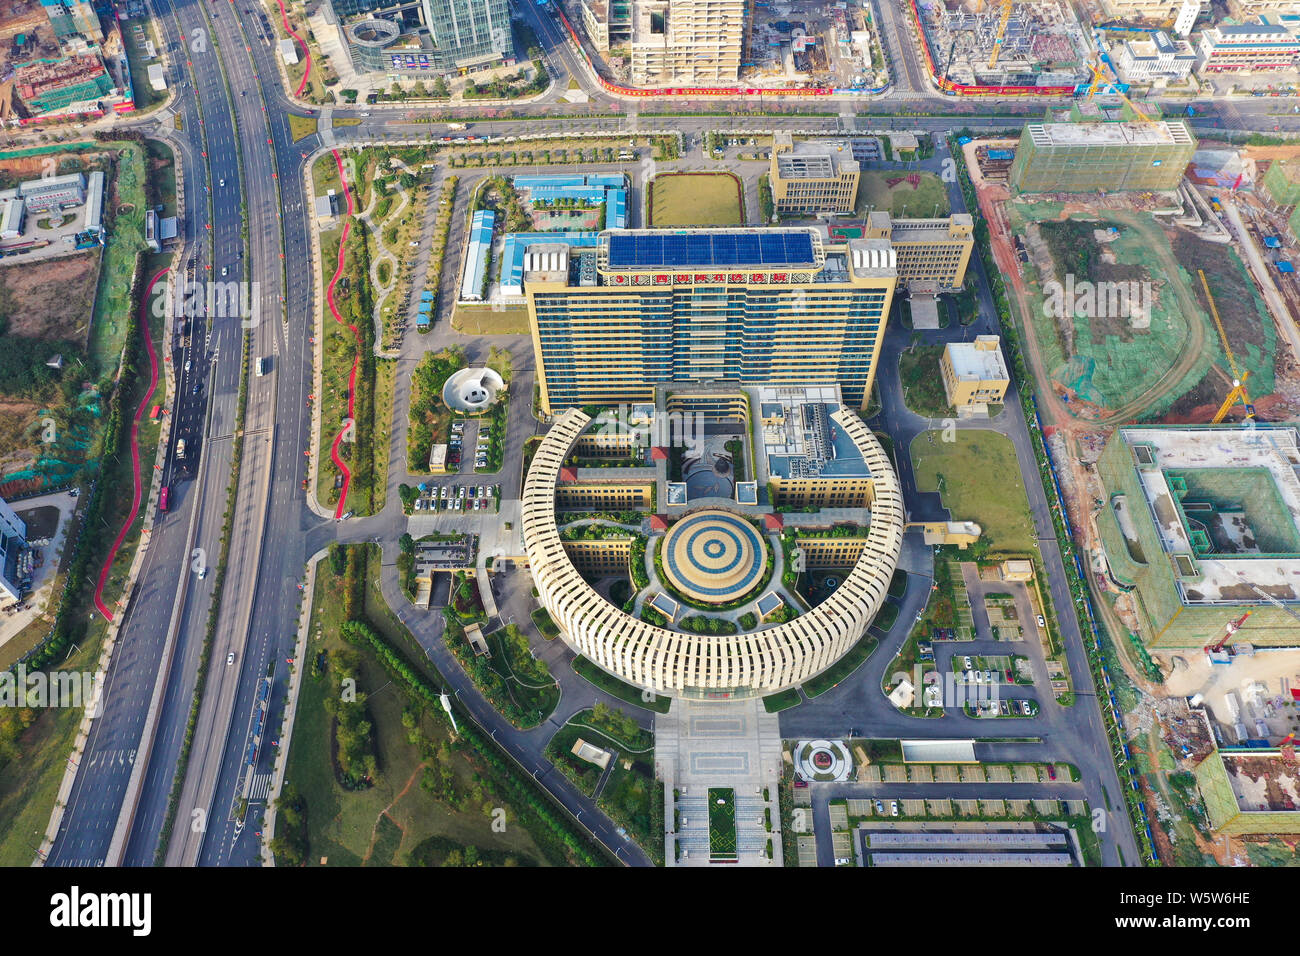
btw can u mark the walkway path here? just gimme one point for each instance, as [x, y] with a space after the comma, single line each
[341, 509]
[137, 490]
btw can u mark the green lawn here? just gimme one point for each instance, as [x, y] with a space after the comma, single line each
[979, 478]
[918, 201]
[617, 688]
[487, 320]
[918, 369]
[784, 700]
[842, 668]
[696, 199]
[423, 790]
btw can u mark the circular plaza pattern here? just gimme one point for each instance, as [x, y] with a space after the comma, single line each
[714, 556]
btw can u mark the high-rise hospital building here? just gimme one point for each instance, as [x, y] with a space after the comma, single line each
[751, 306]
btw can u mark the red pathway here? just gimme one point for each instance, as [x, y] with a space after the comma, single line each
[284, 17]
[341, 508]
[135, 451]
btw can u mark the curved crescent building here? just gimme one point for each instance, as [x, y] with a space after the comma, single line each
[711, 546]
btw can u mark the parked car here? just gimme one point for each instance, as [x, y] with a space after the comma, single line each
[1051, 772]
[966, 662]
[893, 808]
[1041, 623]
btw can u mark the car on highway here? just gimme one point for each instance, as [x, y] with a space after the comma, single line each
[203, 573]
[187, 365]
[224, 270]
[221, 182]
[230, 658]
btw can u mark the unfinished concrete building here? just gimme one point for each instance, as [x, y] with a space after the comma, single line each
[1111, 157]
[686, 41]
[1202, 526]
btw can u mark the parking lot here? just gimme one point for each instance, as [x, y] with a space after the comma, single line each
[454, 496]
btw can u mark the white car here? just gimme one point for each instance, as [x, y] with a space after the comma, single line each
[893, 808]
[966, 663]
[230, 658]
[203, 573]
[1041, 622]
[221, 182]
[224, 270]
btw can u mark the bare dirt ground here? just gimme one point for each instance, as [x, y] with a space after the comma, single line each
[49, 299]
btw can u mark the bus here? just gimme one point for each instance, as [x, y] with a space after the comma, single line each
[162, 501]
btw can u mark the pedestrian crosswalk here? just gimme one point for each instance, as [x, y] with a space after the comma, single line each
[260, 788]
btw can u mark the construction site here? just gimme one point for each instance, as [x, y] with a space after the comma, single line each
[1176, 308]
[992, 43]
[832, 45]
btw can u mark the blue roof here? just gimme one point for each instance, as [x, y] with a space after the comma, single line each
[631, 250]
[616, 209]
[533, 182]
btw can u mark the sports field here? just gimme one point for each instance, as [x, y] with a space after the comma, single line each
[722, 823]
[696, 199]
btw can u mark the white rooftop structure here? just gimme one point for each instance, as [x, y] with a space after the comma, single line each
[976, 362]
[1108, 134]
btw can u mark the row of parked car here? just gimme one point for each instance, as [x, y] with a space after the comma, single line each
[458, 498]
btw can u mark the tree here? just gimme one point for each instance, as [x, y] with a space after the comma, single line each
[440, 87]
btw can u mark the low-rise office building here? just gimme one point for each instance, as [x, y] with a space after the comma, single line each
[974, 373]
[811, 177]
[1262, 46]
[1159, 58]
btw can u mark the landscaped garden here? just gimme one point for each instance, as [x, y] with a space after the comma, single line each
[722, 823]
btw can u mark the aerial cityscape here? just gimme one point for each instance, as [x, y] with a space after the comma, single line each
[649, 433]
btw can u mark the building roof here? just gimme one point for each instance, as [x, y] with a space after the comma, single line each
[809, 442]
[978, 361]
[670, 248]
[1107, 134]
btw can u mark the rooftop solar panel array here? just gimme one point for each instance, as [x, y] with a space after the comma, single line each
[631, 251]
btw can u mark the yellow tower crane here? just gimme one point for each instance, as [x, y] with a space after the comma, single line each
[1238, 392]
[1002, 32]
